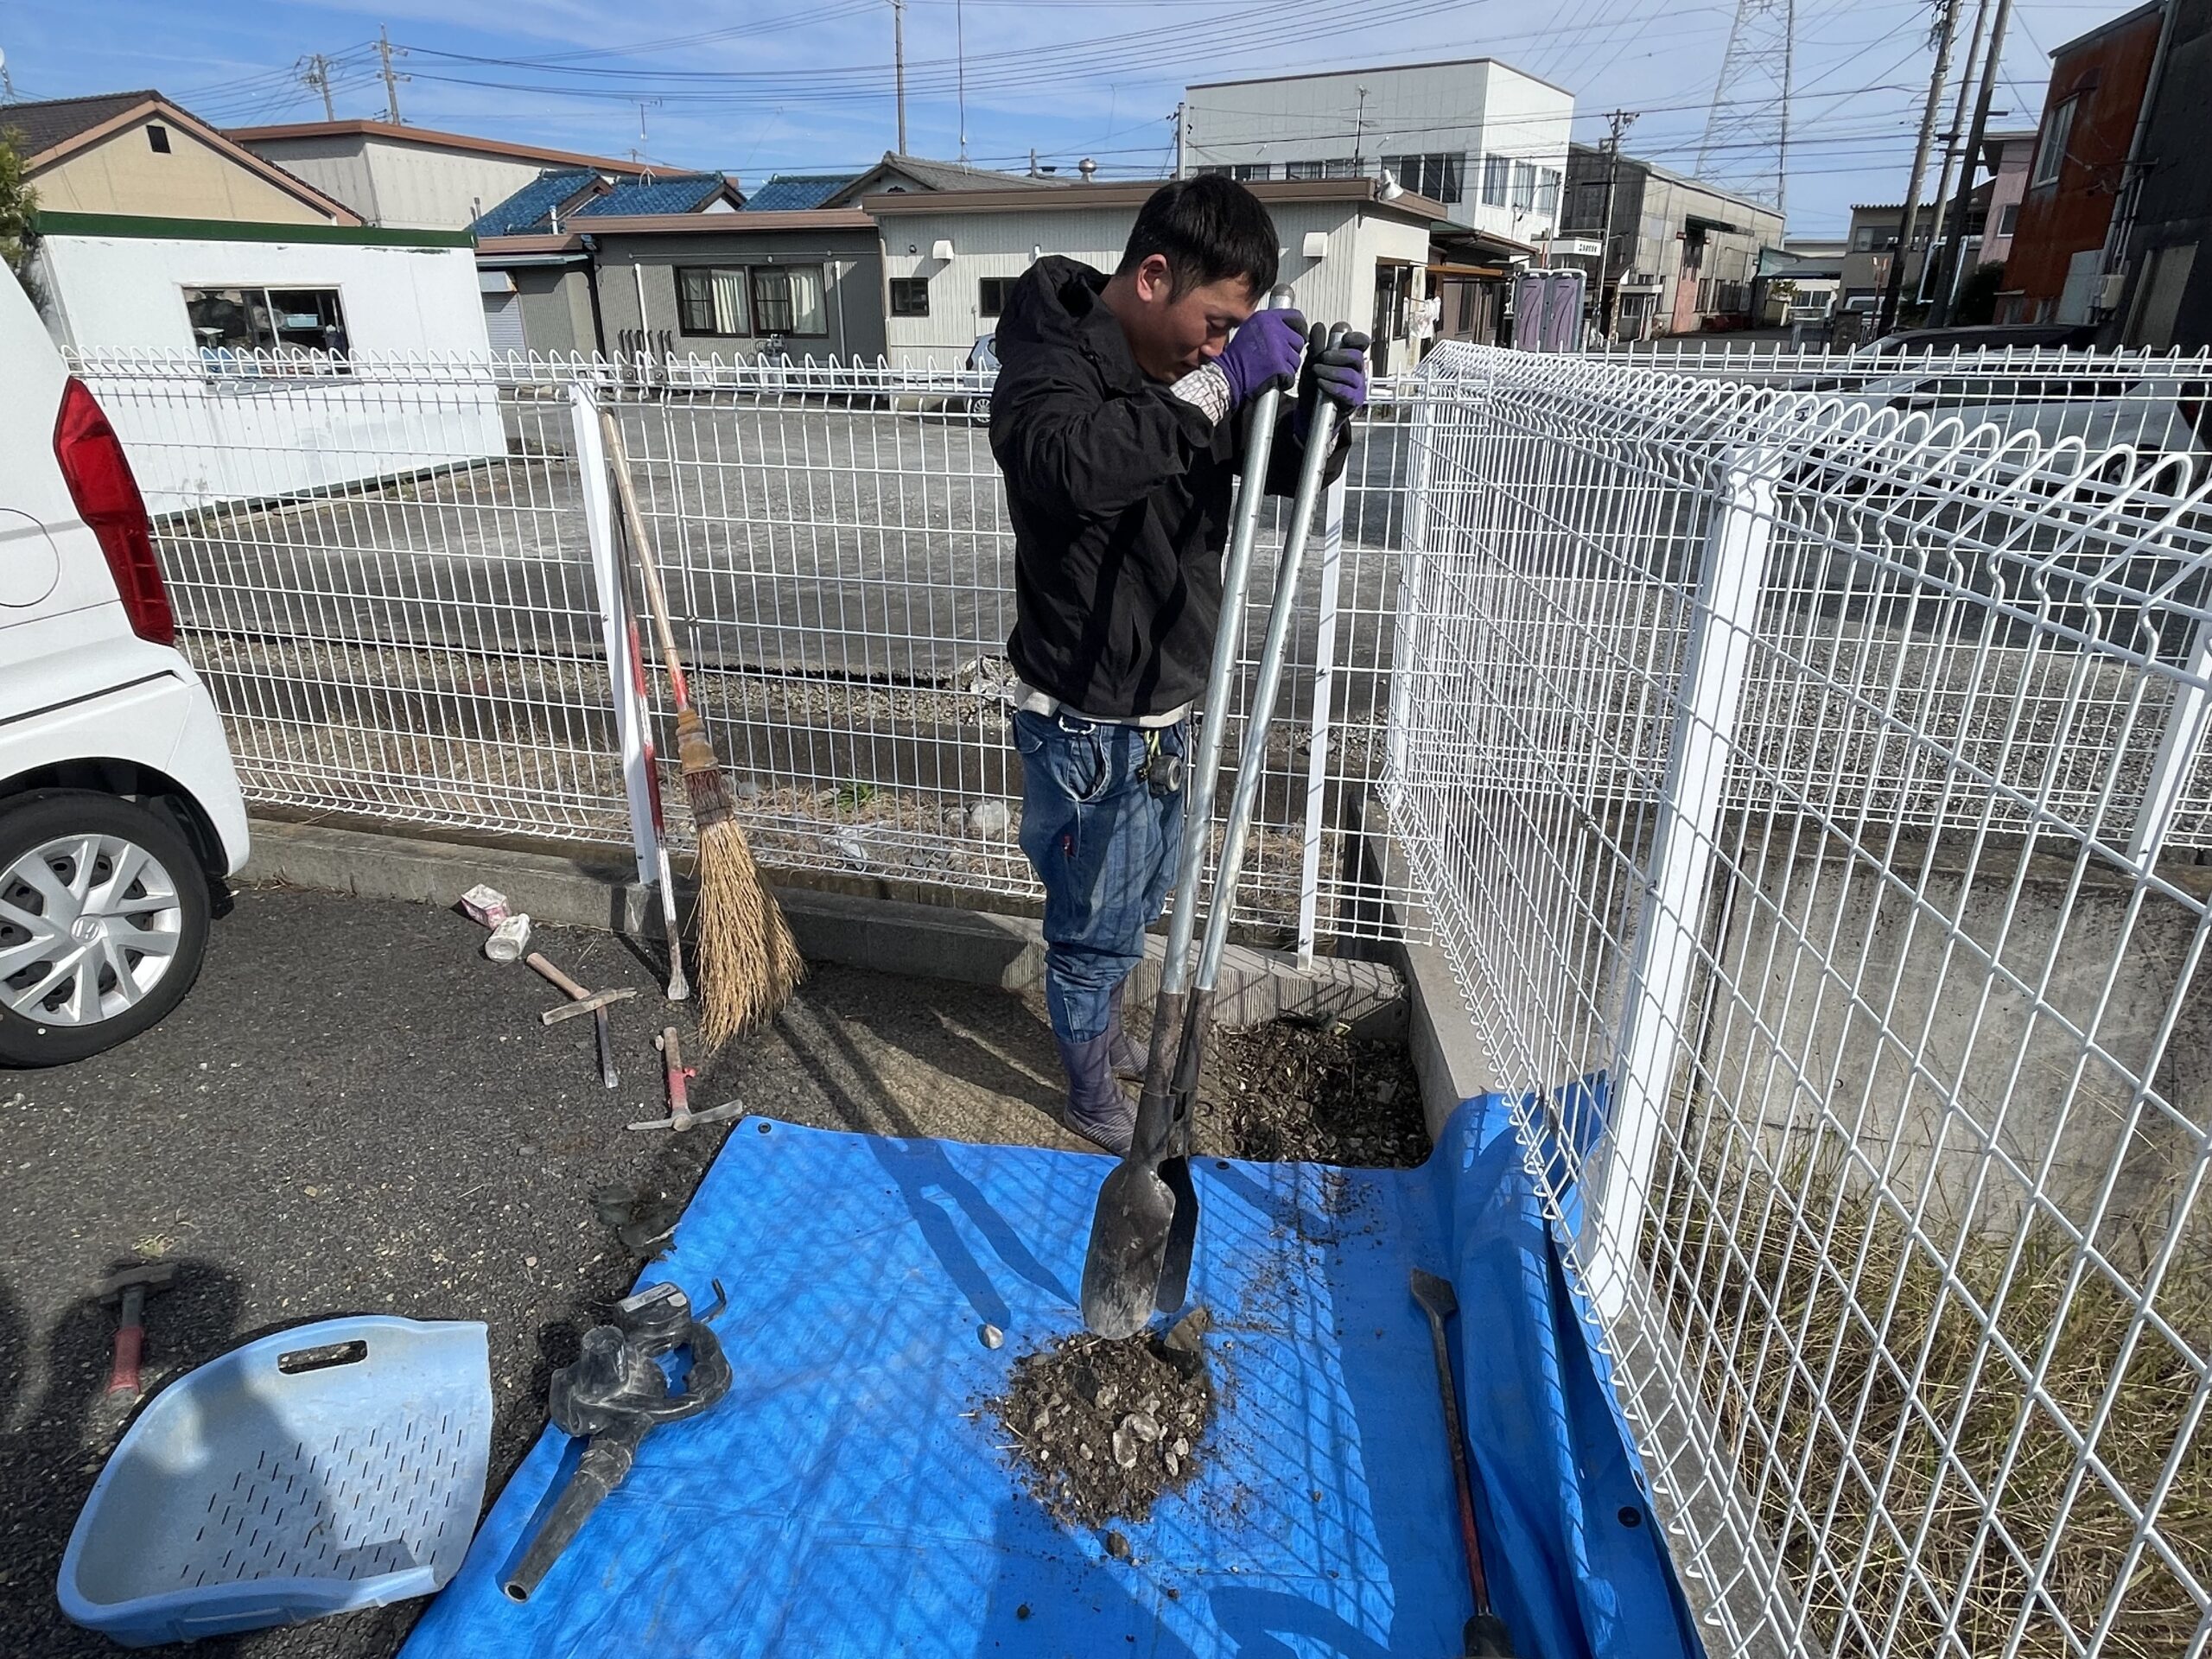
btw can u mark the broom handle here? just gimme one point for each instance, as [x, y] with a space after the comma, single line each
[656, 596]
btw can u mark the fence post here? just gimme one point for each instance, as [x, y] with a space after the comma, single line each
[2186, 726]
[1684, 850]
[614, 620]
[1427, 388]
[1317, 742]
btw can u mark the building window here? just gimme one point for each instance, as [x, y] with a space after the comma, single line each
[1547, 192]
[910, 297]
[1211, 171]
[1524, 186]
[1866, 239]
[992, 294]
[1439, 177]
[1303, 169]
[1251, 171]
[157, 140]
[1497, 170]
[2008, 218]
[710, 301]
[1590, 214]
[2050, 154]
[306, 325]
[787, 300]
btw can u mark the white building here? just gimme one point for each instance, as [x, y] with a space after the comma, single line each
[1485, 140]
[412, 177]
[951, 258]
[158, 238]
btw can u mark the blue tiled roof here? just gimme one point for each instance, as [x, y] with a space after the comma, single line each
[529, 207]
[793, 193]
[677, 193]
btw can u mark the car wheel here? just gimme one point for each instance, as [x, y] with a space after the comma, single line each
[103, 924]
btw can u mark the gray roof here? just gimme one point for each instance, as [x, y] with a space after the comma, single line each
[57, 120]
[939, 175]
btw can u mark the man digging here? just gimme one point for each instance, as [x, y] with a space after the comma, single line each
[1119, 420]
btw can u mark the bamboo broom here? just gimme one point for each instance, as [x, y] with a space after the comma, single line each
[747, 960]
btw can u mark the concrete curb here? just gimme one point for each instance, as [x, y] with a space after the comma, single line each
[1447, 1056]
[927, 941]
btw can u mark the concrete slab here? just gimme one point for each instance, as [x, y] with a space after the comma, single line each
[889, 935]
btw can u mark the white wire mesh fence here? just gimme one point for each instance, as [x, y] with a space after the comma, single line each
[1806, 788]
[401, 581]
[1797, 758]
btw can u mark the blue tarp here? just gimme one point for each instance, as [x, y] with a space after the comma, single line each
[849, 1496]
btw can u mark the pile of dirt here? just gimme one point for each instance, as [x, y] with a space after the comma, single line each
[1285, 1091]
[1099, 1429]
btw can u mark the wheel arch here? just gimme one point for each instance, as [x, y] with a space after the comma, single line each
[131, 780]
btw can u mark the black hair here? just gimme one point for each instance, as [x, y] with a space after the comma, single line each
[1207, 229]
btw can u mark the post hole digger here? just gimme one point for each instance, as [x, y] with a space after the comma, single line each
[1144, 1229]
[746, 961]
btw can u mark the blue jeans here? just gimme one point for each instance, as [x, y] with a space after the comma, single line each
[1106, 849]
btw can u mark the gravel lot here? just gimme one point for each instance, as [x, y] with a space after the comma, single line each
[355, 1113]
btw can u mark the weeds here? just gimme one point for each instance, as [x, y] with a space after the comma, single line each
[1911, 1435]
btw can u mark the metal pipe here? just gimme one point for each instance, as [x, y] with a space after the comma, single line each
[1228, 639]
[1252, 756]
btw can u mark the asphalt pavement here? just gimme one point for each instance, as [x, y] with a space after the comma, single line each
[355, 1112]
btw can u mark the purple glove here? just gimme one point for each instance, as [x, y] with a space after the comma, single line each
[1337, 372]
[1264, 352]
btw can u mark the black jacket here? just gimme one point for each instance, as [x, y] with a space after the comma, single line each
[1120, 497]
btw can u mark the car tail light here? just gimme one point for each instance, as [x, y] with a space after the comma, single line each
[99, 476]
[2195, 405]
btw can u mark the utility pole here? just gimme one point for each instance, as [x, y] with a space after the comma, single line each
[1895, 286]
[1359, 130]
[391, 81]
[317, 75]
[1619, 121]
[960, 58]
[899, 64]
[1954, 239]
[1178, 118]
[7, 81]
[1951, 137]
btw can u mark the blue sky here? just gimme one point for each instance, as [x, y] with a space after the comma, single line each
[806, 84]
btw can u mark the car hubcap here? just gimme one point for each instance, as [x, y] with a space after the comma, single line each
[89, 925]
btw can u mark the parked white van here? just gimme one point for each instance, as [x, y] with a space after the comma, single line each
[119, 808]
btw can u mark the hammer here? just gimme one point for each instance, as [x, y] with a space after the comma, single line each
[127, 1288]
[582, 1001]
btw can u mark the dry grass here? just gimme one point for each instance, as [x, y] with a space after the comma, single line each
[1916, 1420]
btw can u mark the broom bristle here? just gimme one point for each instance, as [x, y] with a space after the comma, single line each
[748, 963]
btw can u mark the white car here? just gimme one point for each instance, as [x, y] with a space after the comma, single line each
[119, 808]
[2078, 395]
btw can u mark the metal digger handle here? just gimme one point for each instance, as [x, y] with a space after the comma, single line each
[1252, 752]
[1228, 640]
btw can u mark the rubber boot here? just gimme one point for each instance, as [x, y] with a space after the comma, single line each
[1130, 1056]
[1099, 1110]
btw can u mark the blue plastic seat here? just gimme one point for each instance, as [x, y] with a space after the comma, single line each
[328, 1467]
